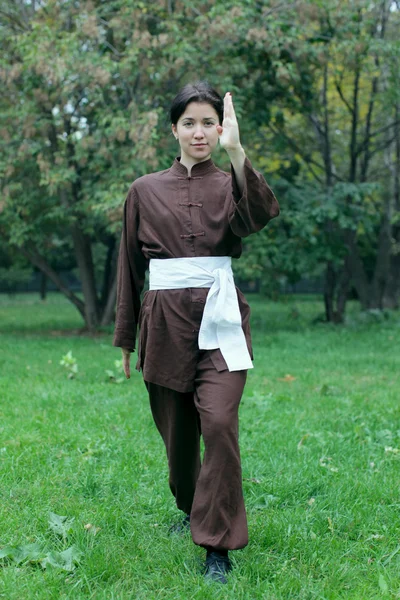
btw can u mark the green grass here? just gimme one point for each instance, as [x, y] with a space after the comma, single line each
[320, 440]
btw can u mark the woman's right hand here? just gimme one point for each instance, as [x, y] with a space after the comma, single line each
[126, 359]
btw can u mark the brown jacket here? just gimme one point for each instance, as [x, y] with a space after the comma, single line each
[170, 215]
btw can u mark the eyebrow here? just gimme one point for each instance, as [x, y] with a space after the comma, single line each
[204, 119]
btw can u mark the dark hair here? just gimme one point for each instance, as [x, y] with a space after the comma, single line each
[201, 91]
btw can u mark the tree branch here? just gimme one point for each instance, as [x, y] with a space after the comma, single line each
[14, 19]
[354, 125]
[339, 90]
[113, 49]
[308, 160]
[34, 257]
[375, 133]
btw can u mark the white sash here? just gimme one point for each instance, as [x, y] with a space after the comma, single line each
[221, 325]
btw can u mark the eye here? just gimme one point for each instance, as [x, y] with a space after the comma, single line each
[208, 123]
[188, 124]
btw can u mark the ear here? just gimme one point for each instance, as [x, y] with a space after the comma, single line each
[174, 131]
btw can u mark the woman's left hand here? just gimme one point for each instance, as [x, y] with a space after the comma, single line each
[229, 131]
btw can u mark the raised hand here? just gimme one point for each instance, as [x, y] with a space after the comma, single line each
[229, 131]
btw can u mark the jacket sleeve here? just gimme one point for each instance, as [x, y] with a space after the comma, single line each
[253, 209]
[132, 266]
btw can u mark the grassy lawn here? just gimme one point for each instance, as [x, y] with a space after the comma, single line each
[320, 442]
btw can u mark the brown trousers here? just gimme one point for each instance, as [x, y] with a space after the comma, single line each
[210, 492]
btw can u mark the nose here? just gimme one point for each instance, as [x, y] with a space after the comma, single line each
[199, 133]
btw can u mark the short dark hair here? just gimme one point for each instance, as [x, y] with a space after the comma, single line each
[201, 91]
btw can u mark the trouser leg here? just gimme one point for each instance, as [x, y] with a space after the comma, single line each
[218, 517]
[177, 420]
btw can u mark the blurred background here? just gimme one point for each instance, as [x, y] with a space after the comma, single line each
[85, 92]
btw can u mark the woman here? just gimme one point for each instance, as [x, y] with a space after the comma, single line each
[186, 223]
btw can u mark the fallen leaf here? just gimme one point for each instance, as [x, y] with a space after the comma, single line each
[60, 525]
[92, 528]
[21, 554]
[66, 560]
[303, 439]
[287, 378]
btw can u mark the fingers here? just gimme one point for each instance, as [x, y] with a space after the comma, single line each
[126, 359]
[229, 111]
[126, 365]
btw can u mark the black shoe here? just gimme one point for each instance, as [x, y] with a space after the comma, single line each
[180, 527]
[217, 566]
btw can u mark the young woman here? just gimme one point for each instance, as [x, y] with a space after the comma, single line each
[186, 224]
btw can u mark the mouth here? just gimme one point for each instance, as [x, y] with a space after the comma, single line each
[199, 145]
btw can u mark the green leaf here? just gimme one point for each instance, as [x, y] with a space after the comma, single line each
[21, 554]
[65, 560]
[7, 552]
[60, 525]
[383, 584]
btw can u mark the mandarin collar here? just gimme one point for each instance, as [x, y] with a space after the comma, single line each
[198, 169]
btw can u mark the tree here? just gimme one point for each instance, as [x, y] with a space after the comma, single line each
[85, 84]
[73, 135]
[85, 87]
[331, 120]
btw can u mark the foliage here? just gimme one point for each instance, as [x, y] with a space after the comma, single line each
[14, 269]
[331, 129]
[70, 364]
[35, 554]
[86, 88]
[299, 243]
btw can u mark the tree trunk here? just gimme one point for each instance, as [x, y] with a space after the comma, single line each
[343, 292]
[84, 259]
[329, 291]
[392, 291]
[43, 286]
[391, 298]
[382, 265]
[109, 309]
[357, 270]
[104, 316]
[336, 291]
[39, 262]
[110, 268]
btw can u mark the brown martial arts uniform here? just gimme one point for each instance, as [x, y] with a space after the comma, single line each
[170, 215]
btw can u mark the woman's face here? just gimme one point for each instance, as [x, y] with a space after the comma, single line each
[196, 131]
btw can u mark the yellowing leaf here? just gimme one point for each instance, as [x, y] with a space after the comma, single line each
[287, 378]
[303, 439]
[92, 529]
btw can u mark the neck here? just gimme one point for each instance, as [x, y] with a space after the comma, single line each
[189, 162]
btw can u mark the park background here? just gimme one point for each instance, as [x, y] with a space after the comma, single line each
[86, 87]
